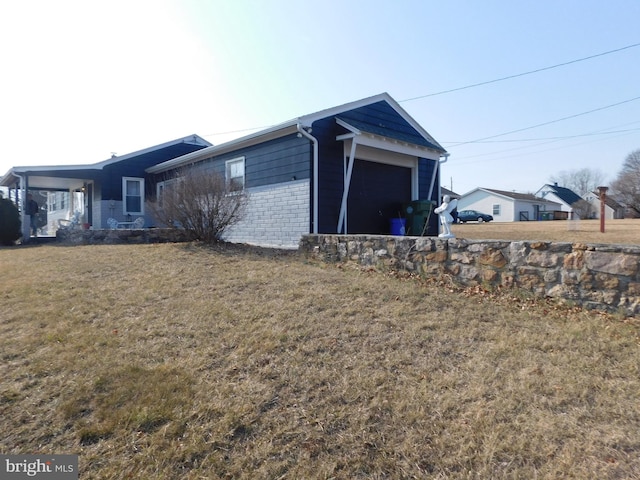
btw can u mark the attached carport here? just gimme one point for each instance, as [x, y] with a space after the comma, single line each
[23, 180]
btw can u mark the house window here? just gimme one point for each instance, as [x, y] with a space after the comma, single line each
[234, 173]
[56, 201]
[133, 195]
[52, 201]
[496, 210]
[164, 189]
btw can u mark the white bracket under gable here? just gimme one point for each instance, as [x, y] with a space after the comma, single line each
[342, 219]
[354, 131]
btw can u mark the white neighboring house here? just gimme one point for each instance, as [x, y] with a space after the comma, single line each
[507, 206]
[566, 197]
[612, 209]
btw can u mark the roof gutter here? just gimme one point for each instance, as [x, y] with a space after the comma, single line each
[314, 140]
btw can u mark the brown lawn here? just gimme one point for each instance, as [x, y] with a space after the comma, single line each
[625, 231]
[182, 362]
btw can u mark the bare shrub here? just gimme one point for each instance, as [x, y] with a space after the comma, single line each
[201, 202]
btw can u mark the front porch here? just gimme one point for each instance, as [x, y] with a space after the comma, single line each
[63, 198]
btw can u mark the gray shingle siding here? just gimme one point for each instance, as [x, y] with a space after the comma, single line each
[277, 215]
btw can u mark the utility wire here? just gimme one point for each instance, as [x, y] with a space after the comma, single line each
[520, 74]
[237, 131]
[536, 152]
[566, 137]
[478, 85]
[546, 123]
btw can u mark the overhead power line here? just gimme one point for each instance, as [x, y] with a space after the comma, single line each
[480, 84]
[520, 74]
[565, 137]
[546, 123]
[237, 131]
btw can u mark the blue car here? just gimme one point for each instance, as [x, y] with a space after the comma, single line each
[465, 216]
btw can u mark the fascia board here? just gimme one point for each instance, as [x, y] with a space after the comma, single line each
[385, 143]
[13, 174]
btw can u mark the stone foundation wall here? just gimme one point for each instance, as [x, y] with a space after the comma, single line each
[596, 276]
[144, 235]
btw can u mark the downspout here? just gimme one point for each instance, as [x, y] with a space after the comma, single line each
[435, 172]
[314, 140]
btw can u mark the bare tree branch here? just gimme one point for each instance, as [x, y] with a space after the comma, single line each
[626, 187]
[581, 181]
[202, 202]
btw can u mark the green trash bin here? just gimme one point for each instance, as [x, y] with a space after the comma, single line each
[417, 213]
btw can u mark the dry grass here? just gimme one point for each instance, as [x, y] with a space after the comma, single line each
[182, 362]
[625, 231]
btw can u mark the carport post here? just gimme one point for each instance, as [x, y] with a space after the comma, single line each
[342, 219]
[603, 197]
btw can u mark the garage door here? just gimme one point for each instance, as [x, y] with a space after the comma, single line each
[376, 195]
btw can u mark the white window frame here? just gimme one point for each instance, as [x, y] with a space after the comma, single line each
[52, 201]
[228, 165]
[162, 187]
[140, 181]
[496, 209]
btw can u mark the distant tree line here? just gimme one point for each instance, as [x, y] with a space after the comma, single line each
[625, 188]
[581, 181]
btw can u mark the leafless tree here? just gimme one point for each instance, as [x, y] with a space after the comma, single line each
[201, 202]
[583, 209]
[581, 181]
[626, 187]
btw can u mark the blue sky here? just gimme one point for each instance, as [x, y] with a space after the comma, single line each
[81, 80]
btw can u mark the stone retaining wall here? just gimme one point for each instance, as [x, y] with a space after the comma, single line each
[597, 276]
[143, 235]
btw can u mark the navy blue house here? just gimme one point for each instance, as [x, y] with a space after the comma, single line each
[348, 170]
[114, 188]
[345, 170]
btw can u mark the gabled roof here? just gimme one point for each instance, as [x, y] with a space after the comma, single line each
[55, 174]
[522, 197]
[380, 115]
[451, 193]
[529, 197]
[189, 140]
[566, 195]
[377, 115]
[609, 201]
